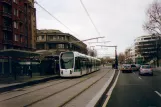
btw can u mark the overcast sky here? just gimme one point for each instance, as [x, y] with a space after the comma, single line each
[120, 21]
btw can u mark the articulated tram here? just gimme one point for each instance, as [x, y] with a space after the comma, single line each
[73, 64]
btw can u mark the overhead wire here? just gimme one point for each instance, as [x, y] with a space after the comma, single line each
[54, 17]
[89, 17]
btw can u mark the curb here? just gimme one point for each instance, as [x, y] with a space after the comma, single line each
[99, 98]
[29, 83]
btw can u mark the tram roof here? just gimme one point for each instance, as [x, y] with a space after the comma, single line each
[17, 53]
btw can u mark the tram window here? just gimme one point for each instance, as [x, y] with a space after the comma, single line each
[77, 63]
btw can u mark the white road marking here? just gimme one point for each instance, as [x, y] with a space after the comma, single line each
[158, 93]
[140, 78]
[110, 91]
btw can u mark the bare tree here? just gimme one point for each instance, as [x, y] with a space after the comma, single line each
[153, 23]
[91, 52]
[121, 57]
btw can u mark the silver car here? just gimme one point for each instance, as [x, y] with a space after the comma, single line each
[146, 69]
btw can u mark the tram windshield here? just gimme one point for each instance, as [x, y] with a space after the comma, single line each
[67, 60]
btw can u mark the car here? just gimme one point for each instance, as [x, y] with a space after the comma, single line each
[146, 69]
[126, 68]
[133, 67]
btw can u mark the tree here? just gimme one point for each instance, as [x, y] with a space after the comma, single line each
[91, 52]
[153, 23]
[121, 57]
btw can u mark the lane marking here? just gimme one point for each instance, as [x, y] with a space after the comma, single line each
[140, 78]
[110, 91]
[158, 93]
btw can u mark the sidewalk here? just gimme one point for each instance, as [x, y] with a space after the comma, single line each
[157, 69]
[7, 84]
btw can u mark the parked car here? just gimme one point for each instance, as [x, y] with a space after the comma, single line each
[146, 69]
[133, 67]
[126, 68]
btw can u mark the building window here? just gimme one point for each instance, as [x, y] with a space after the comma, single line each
[21, 39]
[14, 11]
[50, 37]
[61, 46]
[38, 38]
[63, 38]
[15, 1]
[15, 25]
[16, 37]
[5, 35]
[42, 37]
[17, 12]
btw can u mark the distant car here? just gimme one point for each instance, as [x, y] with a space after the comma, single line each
[138, 66]
[126, 68]
[133, 67]
[146, 69]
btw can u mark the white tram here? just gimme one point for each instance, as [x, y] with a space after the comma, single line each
[73, 64]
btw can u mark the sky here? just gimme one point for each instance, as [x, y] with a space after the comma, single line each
[119, 21]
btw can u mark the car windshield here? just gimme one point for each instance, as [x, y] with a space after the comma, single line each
[67, 60]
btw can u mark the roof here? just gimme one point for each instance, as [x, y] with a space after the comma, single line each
[17, 53]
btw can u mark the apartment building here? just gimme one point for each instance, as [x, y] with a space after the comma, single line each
[16, 26]
[146, 46]
[56, 41]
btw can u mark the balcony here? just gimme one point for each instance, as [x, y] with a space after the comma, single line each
[7, 42]
[7, 28]
[6, 14]
[9, 2]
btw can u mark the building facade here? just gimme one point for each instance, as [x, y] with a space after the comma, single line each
[146, 47]
[33, 24]
[56, 41]
[130, 55]
[16, 24]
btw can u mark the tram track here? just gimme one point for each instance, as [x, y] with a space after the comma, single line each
[60, 91]
[61, 81]
[68, 101]
[55, 84]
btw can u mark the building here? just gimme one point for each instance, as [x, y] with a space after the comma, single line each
[146, 47]
[55, 41]
[16, 24]
[130, 55]
[33, 24]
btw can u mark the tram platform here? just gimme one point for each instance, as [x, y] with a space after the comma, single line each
[9, 83]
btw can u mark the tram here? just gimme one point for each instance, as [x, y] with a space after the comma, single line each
[75, 64]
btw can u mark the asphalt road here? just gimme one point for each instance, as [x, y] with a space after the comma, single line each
[133, 90]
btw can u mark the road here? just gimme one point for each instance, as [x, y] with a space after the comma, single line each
[133, 90]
